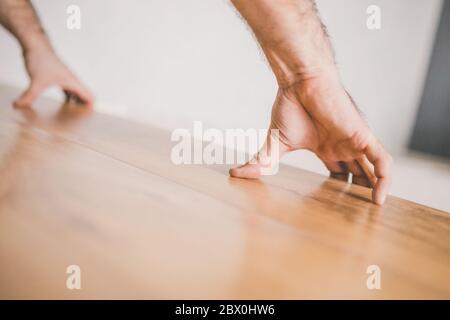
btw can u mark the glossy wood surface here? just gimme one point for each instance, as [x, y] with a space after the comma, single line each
[77, 187]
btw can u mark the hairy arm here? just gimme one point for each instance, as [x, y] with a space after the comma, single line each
[292, 37]
[20, 18]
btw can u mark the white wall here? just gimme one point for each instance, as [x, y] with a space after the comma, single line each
[170, 62]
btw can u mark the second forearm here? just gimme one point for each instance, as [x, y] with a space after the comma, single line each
[291, 36]
[19, 17]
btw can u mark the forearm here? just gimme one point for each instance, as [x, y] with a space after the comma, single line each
[20, 18]
[291, 36]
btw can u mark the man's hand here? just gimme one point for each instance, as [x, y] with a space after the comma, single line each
[312, 109]
[43, 66]
[45, 70]
[319, 116]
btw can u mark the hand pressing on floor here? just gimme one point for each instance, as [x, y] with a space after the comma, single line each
[312, 110]
[341, 138]
[44, 68]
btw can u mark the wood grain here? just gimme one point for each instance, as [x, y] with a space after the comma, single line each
[77, 187]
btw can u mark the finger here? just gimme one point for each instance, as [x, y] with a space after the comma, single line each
[76, 90]
[246, 171]
[358, 175]
[369, 171]
[381, 161]
[265, 162]
[338, 170]
[28, 97]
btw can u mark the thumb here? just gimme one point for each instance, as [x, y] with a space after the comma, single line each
[266, 161]
[27, 98]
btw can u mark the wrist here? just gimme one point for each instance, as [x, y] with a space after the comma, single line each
[301, 62]
[38, 44]
[308, 75]
[321, 90]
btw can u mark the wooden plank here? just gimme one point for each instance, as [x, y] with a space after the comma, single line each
[82, 188]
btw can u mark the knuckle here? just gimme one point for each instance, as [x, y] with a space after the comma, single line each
[359, 139]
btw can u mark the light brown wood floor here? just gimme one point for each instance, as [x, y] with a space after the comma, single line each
[100, 192]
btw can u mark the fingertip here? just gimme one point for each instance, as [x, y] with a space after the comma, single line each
[17, 104]
[378, 199]
[21, 103]
[235, 172]
[81, 93]
[247, 171]
[27, 98]
[88, 98]
[380, 192]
